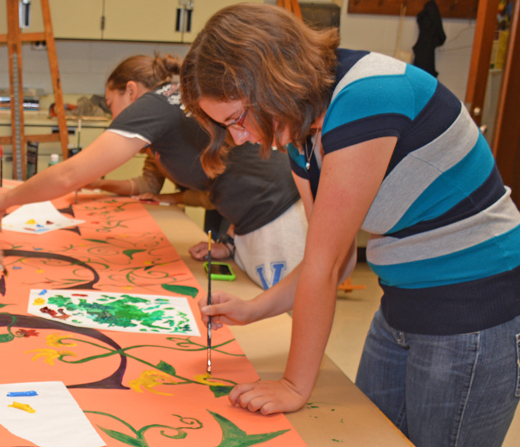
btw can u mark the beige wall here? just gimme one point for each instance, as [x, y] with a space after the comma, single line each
[379, 33]
[84, 65]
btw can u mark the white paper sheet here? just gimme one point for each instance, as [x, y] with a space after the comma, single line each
[37, 218]
[57, 422]
[125, 312]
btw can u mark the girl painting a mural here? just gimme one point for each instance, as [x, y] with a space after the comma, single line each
[396, 154]
[257, 196]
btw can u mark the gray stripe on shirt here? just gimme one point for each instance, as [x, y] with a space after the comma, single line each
[414, 174]
[498, 219]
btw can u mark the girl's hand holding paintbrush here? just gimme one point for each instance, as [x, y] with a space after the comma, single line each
[226, 309]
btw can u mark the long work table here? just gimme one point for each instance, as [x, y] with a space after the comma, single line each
[91, 314]
[338, 413]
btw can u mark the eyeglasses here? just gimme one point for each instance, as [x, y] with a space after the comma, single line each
[237, 124]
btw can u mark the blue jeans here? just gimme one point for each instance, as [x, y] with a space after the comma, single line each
[444, 391]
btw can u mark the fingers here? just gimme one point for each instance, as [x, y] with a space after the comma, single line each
[259, 396]
[199, 251]
[96, 184]
[218, 305]
[224, 309]
[238, 391]
[148, 197]
[267, 397]
[215, 310]
[212, 311]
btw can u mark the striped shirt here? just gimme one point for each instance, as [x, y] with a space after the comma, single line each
[446, 235]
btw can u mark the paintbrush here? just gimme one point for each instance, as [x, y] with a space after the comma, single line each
[208, 367]
[1, 176]
[78, 149]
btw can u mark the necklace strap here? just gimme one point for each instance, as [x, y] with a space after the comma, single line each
[317, 135]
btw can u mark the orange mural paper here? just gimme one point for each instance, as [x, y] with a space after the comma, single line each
[137, 389]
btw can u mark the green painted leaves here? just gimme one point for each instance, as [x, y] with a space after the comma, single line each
[220, 390]
[166, 368]
[181, 290]
[130, 253]
[232, 436]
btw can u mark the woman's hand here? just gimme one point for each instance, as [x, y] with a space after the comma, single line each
[96, 184]
[3, 203]
[174, 199]
[149, 196]
[267, 396]
[218, 251]
[226, 309]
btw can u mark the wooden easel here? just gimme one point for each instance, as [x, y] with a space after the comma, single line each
[291, 5]
[347, 286]
[14, 39]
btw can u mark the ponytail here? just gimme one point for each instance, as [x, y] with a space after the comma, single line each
[152, 72]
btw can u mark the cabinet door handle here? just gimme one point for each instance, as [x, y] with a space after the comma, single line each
[183, 21]
[179, 22]
[184, 16]
[188, 20]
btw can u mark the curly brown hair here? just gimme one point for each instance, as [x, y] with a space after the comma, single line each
[263, 55]
[150, 71]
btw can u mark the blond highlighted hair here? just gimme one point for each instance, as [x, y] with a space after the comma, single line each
[281, 69]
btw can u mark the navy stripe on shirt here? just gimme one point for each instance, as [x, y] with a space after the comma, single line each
[480, 199]
[454, 309]
[388, 125]
[346, 60]
[437, 116]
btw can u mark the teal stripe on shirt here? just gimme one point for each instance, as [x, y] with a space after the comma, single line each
[453, 185]
[296, 155]
[388, 94]
[480, 261]
[426, 86]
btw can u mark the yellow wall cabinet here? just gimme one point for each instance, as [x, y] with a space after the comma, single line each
[75, 19]
[176, 21]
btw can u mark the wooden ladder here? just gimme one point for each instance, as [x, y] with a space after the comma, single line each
[14, 39]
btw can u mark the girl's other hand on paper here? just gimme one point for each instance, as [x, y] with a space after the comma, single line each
[268, 397]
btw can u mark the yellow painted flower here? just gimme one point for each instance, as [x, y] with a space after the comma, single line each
[56, 340]
[151, 378]
[206, 379]
[49, 355]
[39, 301]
